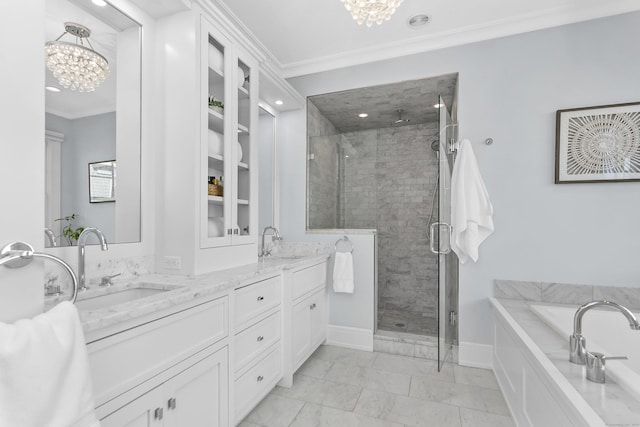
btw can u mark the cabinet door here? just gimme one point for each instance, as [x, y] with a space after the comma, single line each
[318, 319]
[145, 411]
[301, 331]
[198, 396]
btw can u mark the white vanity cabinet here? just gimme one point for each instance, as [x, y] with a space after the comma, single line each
[228, 214]
[172, 370]
[257, 342]
[197, 396]
[305, 316]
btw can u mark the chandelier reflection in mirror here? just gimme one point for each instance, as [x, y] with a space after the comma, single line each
[370, 11]
[76, 66]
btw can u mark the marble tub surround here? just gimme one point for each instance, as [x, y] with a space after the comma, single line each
[566, 293]
[129, 269]
[183, 290]
[607, 403]
[409, 345]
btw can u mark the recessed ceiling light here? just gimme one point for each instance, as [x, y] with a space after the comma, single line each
[363, 115]
[52, 89]
[279, 102]
[100, 3]
[438, 105]
[417, 21]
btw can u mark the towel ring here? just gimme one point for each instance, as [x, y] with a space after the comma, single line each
[346, 240]
[19, 254]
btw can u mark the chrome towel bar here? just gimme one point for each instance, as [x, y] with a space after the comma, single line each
[19, 254]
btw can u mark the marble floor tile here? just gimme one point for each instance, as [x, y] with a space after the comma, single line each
[370, 378]
[315, 367]
[313, 415]
[344, 355]
[249, 424]
[473, 418]
[275, 411]
[406, 410]
[464, 395]
[322, 392]
[475, 376]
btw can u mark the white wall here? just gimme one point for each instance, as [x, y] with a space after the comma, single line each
[510, 89]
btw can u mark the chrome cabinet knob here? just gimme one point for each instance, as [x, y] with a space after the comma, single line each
[158, 413]
[260, 298]
[171, 404]
[260, 338]
[260, 378]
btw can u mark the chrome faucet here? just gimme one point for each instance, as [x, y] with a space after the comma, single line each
[578, 343]
[50, 236]
[276, 235]
[82, 241]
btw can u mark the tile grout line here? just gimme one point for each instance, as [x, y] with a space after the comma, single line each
[297, 413]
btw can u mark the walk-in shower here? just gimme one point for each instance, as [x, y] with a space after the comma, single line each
[386, 172]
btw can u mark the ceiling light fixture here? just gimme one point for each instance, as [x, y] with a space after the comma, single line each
[417, 21]
[370, 11]
[279, 102]
[363, 115]
[75, 66]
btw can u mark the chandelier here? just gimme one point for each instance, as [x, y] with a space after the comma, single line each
[76, 66]
[371, 11]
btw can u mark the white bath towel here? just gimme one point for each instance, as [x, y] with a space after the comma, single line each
[471, 209]
[343, 273]
[44, 372]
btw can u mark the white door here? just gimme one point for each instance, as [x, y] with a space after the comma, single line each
[144, 411]
[301, 333]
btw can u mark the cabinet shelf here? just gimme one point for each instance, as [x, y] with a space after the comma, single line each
[243, 166]
[214, 70]
[216, 200]
[216, 121]
[243, 93]
[242, 128]
[243, 202]
[215, 160]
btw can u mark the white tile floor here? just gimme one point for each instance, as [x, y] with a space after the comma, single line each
[350, 388]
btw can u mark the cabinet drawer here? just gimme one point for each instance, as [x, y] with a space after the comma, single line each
[148, 349]
[256, 383]
[308, 279]
[250, 342]
[256, 298]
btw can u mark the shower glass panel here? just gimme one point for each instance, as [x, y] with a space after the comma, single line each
[447, 259]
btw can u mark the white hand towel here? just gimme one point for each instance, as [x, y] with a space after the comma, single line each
[343, 273]
[44, 372]
[471, 209]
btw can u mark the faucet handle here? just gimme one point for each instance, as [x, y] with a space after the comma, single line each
[106, 280]
[596, 363]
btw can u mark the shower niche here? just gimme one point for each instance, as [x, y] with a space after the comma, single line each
[373, 162]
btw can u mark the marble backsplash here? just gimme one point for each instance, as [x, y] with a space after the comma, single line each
[302, 248]
[563, 293]
[129, 268]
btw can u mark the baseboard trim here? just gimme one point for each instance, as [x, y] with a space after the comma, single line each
[475, 355]
[345, 336]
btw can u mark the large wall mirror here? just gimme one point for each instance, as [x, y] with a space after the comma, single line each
[268, 214]
[87, 127]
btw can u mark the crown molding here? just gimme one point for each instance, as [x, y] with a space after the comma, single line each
[500, 28]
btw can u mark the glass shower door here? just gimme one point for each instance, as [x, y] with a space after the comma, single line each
[447, 259]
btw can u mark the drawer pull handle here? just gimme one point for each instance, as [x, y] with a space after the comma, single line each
[260, 298]
[158, 413]
[260, 378]
[171, 404]
[260, 338]
[313, 306]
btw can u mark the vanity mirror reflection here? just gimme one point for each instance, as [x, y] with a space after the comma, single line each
[92, 127]
[267, 174]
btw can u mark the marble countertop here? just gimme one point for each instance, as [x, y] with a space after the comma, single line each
[613, 404]
[180, 289]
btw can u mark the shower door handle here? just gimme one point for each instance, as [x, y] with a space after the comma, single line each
[432, 229]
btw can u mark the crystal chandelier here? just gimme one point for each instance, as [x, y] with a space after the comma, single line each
[76, 66]
[371, 11]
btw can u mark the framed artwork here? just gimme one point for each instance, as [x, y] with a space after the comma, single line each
[598, 144]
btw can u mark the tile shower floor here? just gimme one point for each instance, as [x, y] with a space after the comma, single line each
[411, 322]
[344, 388]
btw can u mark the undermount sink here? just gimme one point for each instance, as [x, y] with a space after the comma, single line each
[111, 297]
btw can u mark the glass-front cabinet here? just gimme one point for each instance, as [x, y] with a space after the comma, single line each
[229, 82]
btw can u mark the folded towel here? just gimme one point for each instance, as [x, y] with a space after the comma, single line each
[471, 209]
[44, 372]
[343, 273]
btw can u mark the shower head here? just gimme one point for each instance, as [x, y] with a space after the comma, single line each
[400, 119]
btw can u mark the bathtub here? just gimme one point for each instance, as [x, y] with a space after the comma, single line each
[542, 388]
[607, 331]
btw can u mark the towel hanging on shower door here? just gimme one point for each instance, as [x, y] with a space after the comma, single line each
[471, 209]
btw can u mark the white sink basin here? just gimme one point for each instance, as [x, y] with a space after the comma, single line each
[110, 297]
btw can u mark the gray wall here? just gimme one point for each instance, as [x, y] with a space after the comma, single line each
[510, 89]
[86, 140]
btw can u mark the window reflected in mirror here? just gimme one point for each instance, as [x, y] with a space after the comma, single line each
[102, 182]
